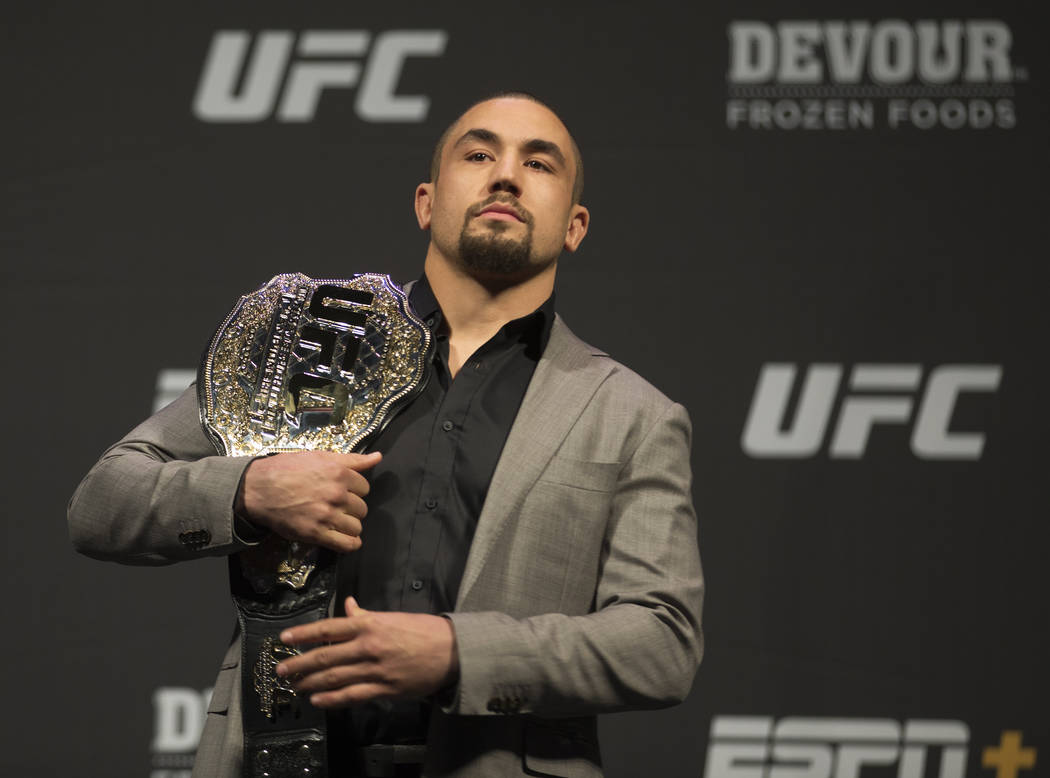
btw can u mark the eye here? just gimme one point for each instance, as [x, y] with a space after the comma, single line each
[536, 164]
[477, 156]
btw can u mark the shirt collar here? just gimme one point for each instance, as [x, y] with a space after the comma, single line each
[534, 327]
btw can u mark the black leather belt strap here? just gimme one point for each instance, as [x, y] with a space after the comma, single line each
[389, 761]
[284, 735]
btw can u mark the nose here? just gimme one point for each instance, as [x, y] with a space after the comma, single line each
[505, 178]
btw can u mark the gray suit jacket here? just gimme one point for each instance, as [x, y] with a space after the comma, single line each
[582, 589]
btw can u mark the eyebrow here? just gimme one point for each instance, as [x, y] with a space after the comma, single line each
[540, 146]
[485, 136]
[533, 146]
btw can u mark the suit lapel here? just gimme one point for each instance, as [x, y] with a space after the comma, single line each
[566, 378]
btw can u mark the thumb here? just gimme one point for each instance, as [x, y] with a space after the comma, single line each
[361, 462]
[352, 606]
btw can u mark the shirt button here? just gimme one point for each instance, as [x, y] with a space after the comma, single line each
[417, 585]
[430, 322]
[447, 425]
[431, 503]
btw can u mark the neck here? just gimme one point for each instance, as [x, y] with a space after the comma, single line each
[475, 309]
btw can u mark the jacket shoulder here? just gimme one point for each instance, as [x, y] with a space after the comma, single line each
[621, 381]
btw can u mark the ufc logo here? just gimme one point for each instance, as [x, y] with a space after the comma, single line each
[328, 347]
[878, 394]
[236, 87]
[795, 747]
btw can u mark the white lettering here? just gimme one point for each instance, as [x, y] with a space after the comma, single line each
[768, 432]
[808, 114]
[931, 439]
[855, 423]
[1005, 115]
[846, 48]
[989, 51]
[952, 735]
[765, 434]
[938, 51]
[216, 100]
[804, 760]
[744, 747]
[377, 100]
[178, 718]
[982, 115]
[892, 52]
[798, 63]
[952, 114]
[738, 760]
[736, 112]
[860, 413]
[306, 79]
[753, 51]
[233, 90]
[808, 51]
[851, 758]
[170, 384]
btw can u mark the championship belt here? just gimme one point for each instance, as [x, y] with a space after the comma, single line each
[300, 364]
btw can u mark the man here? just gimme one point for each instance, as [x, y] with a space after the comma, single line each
[519, 550]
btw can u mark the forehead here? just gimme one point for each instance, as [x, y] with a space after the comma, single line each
[515, 121]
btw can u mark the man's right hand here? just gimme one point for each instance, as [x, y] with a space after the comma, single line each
[316, 497]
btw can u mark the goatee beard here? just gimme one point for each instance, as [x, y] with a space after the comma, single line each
[486, 250]
[491, 254]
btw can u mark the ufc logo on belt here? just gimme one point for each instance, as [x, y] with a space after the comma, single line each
[330, 343]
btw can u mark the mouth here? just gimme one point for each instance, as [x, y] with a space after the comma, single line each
[502, 212]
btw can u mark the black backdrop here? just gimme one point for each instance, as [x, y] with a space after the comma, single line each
[881, 223]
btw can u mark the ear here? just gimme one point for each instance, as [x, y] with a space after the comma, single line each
[424, 204]
[579, 218]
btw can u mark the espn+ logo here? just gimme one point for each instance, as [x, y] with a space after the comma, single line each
[285, 74]
[877, 394]
[755, 747]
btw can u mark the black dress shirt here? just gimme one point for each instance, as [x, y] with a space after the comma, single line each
[426, 495]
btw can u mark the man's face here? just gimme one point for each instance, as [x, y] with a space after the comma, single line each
[502, 203]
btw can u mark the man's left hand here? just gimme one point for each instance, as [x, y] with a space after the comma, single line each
[371, 654]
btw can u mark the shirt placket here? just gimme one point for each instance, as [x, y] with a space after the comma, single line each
[447, 434]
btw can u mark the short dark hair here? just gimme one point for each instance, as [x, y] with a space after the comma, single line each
[435, 159]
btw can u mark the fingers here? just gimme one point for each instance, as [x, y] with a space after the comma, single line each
[343, 522]
[333, 664]
[316, 497]
[346, 469]
[341, 528]
[340, 673]
[356, 464]
[353, 481]
[332, 630]
[353, 505]
[369, 654]
[345, 674]
[336, 675]
[336, 541]
[350, 695]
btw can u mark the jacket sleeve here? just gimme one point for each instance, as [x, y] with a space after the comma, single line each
[159, 495]
[641, 644]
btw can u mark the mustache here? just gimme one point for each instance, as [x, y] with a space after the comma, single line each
[503, 199]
